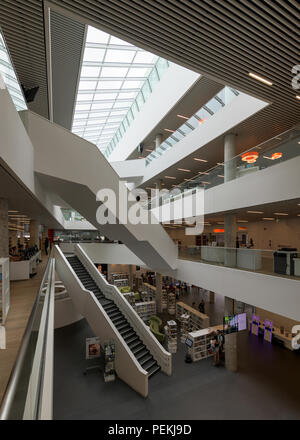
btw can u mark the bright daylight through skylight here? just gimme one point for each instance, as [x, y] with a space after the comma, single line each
[112, 74]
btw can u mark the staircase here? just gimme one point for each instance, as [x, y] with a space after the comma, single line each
[139, 350]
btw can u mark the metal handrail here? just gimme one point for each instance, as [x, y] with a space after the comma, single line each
[12, 386]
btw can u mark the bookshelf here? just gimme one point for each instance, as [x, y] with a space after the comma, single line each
[171, 303]
[130, 296]
[145, 309]
[184, 326]
[121, 282]
[119, 276]
[201, 343]
[197, 320]
[4, 289]
[171, 331]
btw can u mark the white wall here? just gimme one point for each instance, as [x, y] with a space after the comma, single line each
[130, 170]
[241, 108]
[175, 82]
[277, 183]
[276, 294]
[110, 253]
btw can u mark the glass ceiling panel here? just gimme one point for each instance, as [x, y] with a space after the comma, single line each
[113, 72]
[9, 77]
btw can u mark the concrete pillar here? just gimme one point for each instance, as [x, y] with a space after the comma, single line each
[4, 251]
[228, 306]
[158, 296]
[230, 233]
[211, 297]
[34, 234]
[109, 273]
[158, 140]
[229, 154]
[231, 353]
[131, 276]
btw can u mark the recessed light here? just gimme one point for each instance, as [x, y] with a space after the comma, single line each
[280, 213]
[220, 223]
[206, 183]
[298, 215]
[183, 117]
[298, 97]
[170, 177]
[183, 169]
[170, 131]
[220, 175]
[203, 172]
[187, 180]
[267, 157]
[268, 218]
[260, 78]
[242, 221]
[219, 163]
[255, 212]
[12, 211]
[150, 151]
[200, 160]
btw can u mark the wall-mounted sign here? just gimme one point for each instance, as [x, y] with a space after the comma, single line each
[268, 330]
[92, 348]
[255, 324]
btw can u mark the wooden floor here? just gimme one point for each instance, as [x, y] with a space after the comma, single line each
[22, 297]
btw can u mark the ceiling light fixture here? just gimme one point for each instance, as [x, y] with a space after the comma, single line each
[183, 169]
[203, 172]
[202, 160]
[298, 97]
[150, 151]
[250, 157]
[276, 155]
[268, 218]
[242, 221]
[280, 213]
[260, 78]
[220, 175]
[255, 212]
[170, 131]
[170, 177]
[183, 117]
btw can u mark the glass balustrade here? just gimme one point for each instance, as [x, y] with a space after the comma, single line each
[281, 263]
[272, 152]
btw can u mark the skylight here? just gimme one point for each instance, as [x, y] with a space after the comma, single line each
[112, 74]
[9, 77]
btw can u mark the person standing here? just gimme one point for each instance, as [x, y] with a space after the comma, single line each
[201, 306]
[46, 245]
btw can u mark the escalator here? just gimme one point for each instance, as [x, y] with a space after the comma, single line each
[134, 343]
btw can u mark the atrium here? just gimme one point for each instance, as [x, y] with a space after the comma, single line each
[149, 210]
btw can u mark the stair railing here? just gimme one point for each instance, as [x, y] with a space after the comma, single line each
[163, 357]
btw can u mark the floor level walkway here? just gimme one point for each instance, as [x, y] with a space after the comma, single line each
[22, 297]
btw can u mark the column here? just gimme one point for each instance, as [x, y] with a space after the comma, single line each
[4, 251]
[34, 234]
[131, 276]
[229, 219]
[211, 297]
[230, 240]
[231, 360]
[158, 140]
[158, 296]
[229, 154]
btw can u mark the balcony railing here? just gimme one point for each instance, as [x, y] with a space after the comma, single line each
[266, 261]
[272, 152]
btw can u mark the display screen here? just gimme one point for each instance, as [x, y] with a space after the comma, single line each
[242, 321]
[235, 323]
